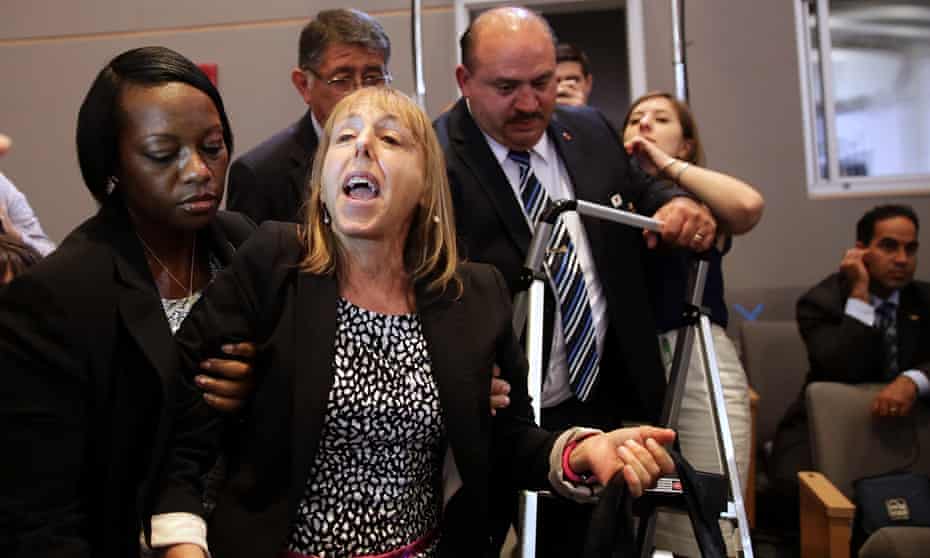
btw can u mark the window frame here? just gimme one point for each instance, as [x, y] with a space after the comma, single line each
[834, 185]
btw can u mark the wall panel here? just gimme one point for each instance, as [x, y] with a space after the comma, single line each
[54, 18]
[50, 76]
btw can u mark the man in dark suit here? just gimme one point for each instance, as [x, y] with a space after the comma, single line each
[340, 50]
[867, 323]
[505, 139]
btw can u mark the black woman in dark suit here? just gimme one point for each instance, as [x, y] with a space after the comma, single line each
[87, 356]
[370, 432]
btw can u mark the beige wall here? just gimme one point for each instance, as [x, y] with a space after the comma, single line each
[742, 65]
[48, 63]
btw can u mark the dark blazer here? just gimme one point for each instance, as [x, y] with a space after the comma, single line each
[492, 229]
[269, 183]
[292, 316]
[843, 349]
[88, 362]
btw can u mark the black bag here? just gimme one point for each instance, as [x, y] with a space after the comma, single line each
[610, 533]
[898, 499]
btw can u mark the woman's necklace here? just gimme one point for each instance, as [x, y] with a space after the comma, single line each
[190, 286]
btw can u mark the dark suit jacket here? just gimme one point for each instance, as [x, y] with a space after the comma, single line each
[492, 229]
[292, 316]
[843, 349]
[269, 183]
[87, 362]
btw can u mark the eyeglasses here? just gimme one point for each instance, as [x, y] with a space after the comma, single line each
[346, 83]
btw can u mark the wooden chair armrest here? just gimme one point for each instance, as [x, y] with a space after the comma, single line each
[826, 517]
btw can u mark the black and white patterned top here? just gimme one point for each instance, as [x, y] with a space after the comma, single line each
[375, 482]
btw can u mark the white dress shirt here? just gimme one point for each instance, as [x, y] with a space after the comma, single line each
[551, 173]
[316, 127]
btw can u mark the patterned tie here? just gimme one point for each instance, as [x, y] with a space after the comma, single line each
[567, 278]
[886, 322]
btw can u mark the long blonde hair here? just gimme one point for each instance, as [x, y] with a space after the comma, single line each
[430, 255]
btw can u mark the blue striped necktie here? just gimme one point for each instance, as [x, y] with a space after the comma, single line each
[886, 322]
[567, 279]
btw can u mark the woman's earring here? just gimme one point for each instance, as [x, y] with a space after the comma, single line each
[326, 218]
[436, 219]
[112, 181]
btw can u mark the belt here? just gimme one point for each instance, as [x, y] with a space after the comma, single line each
[404, 552]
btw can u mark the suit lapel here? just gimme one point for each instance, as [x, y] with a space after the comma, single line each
[314, 343]
[218, 241]
[444, 322]
[487, 175]
[587, 186]
[140, 304]
[143, 316]
[910, 319]
[302, 152]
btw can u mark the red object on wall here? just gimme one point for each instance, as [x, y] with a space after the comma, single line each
[210, 69]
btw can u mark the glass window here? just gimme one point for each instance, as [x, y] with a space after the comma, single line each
[866, 77]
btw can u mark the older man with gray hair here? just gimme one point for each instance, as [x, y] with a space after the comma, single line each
[339, 51]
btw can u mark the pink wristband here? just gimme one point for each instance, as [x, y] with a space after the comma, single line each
[571, 475]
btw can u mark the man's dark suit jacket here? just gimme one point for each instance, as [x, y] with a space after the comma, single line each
[292, 316]
[88, 363]
[840, 348]
[492, 229]
[269, 183]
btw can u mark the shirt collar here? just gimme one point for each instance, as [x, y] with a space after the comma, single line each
[316, 126]
[893, 299]
[542, 149]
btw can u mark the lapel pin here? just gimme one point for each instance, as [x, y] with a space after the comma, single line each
[616, 200]
[566, 136]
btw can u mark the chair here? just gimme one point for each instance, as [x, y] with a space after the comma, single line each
[848, 443]
[776, 364]
[775, 360]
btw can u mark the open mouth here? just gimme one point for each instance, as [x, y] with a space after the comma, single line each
[361, 187]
